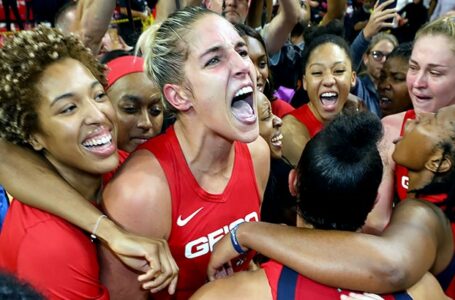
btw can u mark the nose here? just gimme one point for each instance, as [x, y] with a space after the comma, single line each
[328, 79]
[144, 121]
[240, 64]
[277, 122]
[95, 112]
[420, 80]
[384, 84]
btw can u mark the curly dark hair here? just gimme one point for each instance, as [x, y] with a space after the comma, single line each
[24, 57]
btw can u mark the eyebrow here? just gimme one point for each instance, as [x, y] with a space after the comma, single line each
[218, 48]
[70, 95]
[322, 64]
[430, 65]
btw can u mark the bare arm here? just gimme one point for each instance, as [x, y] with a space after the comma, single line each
[357, 261]
[92, 21]
[295, 137]
[379, 217]
[277, 31]
[335, 10]
[29, 178]
[166, 7]
[260, 152]
[138, 198]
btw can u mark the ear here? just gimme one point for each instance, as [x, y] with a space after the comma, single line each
[292, 182]
[353, 79]
[438, 163]
[36, 142]
[304, 82]
[177, 97]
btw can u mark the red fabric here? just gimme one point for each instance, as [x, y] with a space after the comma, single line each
[57, 258]
[305, 288]
[401, 173]
[121, 66]
[306, 116]
[212, 215]
[280, 108]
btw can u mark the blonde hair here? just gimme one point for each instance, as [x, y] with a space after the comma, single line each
[166, 49]
[444, 26]
[24, 57]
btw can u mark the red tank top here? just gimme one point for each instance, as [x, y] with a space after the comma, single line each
[200, 219]
[286, 284]
[401, 173]
[306, 116]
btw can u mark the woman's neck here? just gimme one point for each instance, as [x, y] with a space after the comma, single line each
[88, 185]
[209, 156]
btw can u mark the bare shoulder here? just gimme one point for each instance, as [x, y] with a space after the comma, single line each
[392, 128]
[295, 137]
[260, 153]
[138, 197]
[243, 285]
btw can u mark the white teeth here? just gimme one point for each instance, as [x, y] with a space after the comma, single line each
[98, 141]
[277, 138]
[328, 94]
[243, 91]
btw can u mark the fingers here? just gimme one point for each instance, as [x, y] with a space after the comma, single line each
[163, 269]
[364, 296]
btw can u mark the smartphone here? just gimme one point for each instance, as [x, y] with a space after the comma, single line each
[394, 20]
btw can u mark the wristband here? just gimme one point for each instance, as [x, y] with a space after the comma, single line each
[235, 243]
[97, 224]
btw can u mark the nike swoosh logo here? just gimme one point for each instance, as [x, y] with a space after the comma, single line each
[182, 222]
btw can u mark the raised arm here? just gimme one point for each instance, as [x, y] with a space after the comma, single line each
[277, 31]
[92, 21]
[27, 177]
[418, 239]
[335, 10]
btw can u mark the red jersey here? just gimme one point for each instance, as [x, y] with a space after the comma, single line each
[55, 257]
[287, 284]
[200, 219]
[281, 108]
[401, 173]
[306, 116]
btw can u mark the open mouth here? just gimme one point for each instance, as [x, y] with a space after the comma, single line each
[242, 105]
[101, 144]
[384, 101]
[277, 140]
[329, 100]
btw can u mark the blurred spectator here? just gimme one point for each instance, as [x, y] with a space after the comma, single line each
[441, 7]
[140, 11]
[45, 10]
[9, 5]
[12, 288]
[413, 15]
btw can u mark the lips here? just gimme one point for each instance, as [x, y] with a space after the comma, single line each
[329, 100]
[276, 140]
[100, 142]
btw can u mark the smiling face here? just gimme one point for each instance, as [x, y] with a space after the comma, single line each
[235, 11]
[431, 75]
[259, 58]
[269, 126]
[328, 79]
[392, 88]
[76, 120]
[139, 109]
[220, 80]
